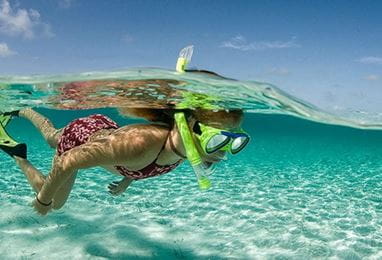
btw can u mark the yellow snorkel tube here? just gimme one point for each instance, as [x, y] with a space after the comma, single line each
[184, 58]
[191, 151]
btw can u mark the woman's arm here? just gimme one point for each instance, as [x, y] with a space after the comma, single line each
[133, 147]
[47, 199]
[118, 187]
[63, 173]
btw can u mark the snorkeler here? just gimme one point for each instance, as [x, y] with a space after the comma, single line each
[139, 151]
[134, 151]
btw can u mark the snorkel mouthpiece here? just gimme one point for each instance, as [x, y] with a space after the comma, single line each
[192, 153]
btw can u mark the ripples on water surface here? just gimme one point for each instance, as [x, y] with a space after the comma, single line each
[155, 88]
[300, 190]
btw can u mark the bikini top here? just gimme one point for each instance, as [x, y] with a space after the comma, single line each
[153, 169]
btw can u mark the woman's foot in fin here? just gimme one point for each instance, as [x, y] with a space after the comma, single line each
[7, 143]
[12, 113]
[19, 150]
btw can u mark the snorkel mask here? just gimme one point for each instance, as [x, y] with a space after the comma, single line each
[211, 139]
[214, 139]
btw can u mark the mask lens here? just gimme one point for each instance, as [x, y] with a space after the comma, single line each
[216, 142]
[239, 143]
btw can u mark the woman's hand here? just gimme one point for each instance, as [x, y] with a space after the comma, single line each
[40, 208]
[118, 187]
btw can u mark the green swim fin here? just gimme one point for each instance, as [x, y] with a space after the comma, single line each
[7, 144]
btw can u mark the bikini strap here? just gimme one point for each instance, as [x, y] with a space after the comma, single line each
[173, 148]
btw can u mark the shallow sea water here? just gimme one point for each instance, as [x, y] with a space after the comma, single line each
[300, 190]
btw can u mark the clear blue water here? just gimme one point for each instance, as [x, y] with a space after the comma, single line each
[300, 190]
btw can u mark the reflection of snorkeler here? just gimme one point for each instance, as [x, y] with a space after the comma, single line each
[134, 151]
[116, 93]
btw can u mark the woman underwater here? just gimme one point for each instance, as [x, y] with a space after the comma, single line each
[134, 151]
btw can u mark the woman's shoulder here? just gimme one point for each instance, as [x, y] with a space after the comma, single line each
[145, 126]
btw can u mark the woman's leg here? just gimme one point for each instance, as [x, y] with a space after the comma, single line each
[35, 178]
[43, 124]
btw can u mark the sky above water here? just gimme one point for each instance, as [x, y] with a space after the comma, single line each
[326, 52]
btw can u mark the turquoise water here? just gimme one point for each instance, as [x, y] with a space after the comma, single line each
[300, 190]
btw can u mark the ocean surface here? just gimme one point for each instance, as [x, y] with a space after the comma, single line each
[308, 185]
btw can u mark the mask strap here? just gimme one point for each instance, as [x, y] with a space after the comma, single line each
[233, 135]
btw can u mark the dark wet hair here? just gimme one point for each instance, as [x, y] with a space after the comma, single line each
[210, 73]
[218, 118]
